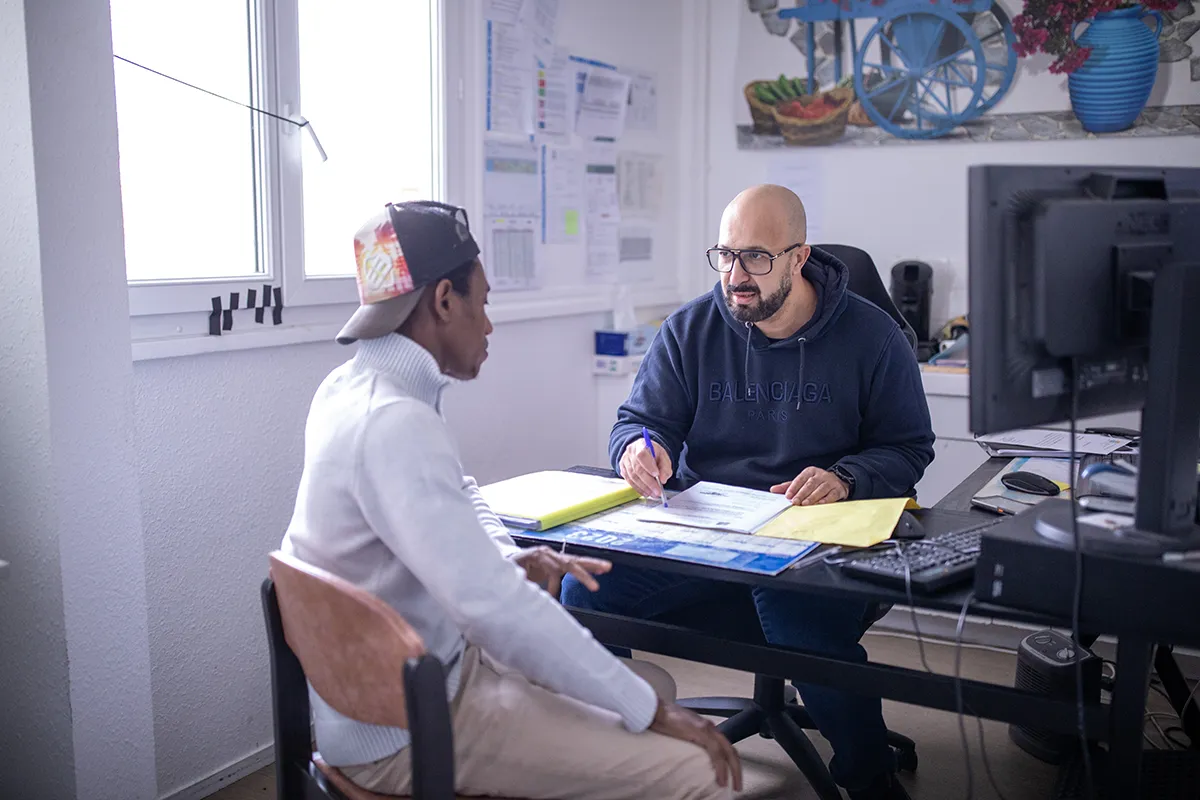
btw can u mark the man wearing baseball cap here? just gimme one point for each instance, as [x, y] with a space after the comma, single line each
[540, 709]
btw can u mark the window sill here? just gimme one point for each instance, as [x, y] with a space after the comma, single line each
[180, 335]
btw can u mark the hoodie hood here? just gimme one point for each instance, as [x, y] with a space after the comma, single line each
[828, 276]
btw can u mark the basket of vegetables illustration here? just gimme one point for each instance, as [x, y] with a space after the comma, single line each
[762, 96]
[815, 119]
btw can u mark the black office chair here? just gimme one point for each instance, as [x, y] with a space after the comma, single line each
[866, 283]
[774, 712]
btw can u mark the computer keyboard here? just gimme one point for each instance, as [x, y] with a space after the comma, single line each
[932, 564]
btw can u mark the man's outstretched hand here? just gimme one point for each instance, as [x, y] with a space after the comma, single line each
[547, 567]
[680, 723]
[812, 487]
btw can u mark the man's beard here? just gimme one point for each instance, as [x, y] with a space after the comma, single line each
[765, 308]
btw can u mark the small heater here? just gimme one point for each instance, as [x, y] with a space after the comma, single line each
[1046, 665]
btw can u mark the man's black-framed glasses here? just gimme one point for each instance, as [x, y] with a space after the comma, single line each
[754, 261]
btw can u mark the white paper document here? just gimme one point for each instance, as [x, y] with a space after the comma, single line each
[719, 507]
[603, 104]
[601, 179]
[804, 176]
[1057, 441]
[555, 109]
[603, 249]
[564, 198]
[639, 183]
[637, 243]
[539, 18]
[510, 65]
[511, 182]
[510, 255]
[502, 10]
[642, 114]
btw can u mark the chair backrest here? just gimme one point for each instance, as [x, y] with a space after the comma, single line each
[866, 283]
[352, 645]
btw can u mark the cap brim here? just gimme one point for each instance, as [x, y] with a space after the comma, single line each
[379, 319]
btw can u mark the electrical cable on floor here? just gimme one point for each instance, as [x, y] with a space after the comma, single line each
[1077, 601]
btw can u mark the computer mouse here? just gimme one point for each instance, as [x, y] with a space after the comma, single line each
[1030, 483]
[909, 527]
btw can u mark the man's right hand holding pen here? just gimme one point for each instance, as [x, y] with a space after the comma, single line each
[646, 466]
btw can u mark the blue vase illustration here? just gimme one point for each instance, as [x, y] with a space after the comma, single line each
[1111, 88]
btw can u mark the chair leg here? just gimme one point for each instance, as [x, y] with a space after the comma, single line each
[800, 716]
[801, 751]
[743, 725]
[717, 706]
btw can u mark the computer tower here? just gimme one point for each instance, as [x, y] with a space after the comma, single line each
[1046, 665]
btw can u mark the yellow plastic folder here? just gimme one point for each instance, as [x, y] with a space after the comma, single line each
[542, 500]
[855, 523]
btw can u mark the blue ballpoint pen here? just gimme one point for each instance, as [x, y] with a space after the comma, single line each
[650, 445]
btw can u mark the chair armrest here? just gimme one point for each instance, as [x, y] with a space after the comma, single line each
[431, 727]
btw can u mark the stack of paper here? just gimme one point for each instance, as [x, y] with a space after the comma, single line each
[543, 500]
[1049, 444]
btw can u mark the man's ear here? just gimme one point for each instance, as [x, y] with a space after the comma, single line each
[802, 254]
[441, 300]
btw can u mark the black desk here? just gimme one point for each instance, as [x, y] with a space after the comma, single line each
[1119, 723]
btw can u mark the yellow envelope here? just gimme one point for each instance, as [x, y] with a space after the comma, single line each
[855, 523]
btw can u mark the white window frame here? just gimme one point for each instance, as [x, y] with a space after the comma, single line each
[170, 317]
[191, 296]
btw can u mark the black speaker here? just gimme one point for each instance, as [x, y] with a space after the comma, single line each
[912, 292]
[1046, 665]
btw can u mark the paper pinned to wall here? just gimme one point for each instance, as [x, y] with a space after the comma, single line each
[642, 114]
[603, 249]
[507, 11]
[555, 109]
[511, 182]
[603, 105]
[563, 198]
[510, 63]
[806, 178]
[636, 243]
[510, 252]
[540, 18]
[603, 211]
[639, 183]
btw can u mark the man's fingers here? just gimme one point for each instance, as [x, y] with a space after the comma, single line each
[805, 490]
[664, 464]
[596, 566]
[822, 490]
[583, 576]
[717, 756]
[798, 482]
[780, 488]
[734, 761]
[634, 477]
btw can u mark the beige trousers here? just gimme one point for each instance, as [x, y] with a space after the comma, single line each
[518, 740]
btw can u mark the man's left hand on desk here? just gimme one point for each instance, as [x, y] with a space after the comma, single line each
[813, 486]
[547, 567]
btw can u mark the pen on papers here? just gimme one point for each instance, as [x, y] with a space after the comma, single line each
[650, 445]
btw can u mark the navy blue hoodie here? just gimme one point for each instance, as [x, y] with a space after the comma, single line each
[732, 406]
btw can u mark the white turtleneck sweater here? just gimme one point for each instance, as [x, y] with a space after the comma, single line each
[384, 504]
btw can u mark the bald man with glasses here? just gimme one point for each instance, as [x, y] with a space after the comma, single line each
[779, 379]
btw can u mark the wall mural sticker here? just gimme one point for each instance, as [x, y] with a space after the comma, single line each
[882, 72]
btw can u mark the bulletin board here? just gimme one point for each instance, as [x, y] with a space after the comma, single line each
[576, 191]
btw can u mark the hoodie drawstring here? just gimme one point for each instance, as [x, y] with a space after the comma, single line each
[800, 374]
[746, 368]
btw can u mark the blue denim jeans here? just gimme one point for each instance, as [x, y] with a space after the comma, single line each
[852, 723]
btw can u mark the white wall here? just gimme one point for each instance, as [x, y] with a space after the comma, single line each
[896, 202]
[220, 442]
[73, 644]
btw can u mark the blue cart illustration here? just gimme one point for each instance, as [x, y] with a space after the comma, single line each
[926, 66]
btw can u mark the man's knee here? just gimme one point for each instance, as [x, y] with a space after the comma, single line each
[576, 595]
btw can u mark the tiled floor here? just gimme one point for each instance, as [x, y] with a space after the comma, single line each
[941, 776]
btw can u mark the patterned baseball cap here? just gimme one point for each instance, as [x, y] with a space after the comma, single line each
[398, 252]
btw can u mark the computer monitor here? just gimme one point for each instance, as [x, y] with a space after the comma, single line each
[1085, 300]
